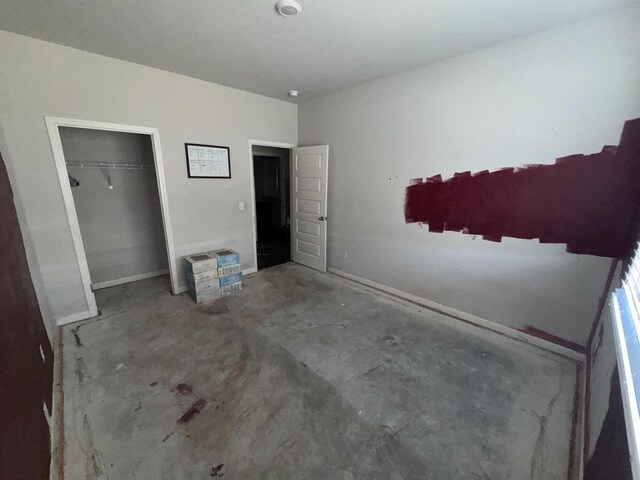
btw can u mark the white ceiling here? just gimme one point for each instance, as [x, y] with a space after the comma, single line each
[331, 45]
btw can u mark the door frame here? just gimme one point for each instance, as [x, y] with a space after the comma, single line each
[254, 219]
[53, 124]
[323, 216]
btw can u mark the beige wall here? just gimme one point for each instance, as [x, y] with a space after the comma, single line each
[39, 78]
[561, 92]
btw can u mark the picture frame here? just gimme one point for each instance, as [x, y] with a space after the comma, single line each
[207, 161]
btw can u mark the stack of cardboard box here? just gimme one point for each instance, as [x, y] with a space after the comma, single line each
[212, 274]
[201, 271]
[229, 270]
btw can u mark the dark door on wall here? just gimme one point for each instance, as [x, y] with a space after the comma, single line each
[26, 358]
[271, 176]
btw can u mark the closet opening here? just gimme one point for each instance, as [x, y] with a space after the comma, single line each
[271, 174]
[114, 185]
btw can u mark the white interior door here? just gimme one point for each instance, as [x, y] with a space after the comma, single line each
[309, 206]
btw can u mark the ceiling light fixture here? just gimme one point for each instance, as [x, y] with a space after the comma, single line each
[288, 8]
[293, 93]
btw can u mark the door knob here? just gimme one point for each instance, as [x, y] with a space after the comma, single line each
[322, 219]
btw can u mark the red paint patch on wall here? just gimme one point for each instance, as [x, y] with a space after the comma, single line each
[536, 332]
[589, 202]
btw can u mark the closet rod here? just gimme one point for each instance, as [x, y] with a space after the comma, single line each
[114, 166]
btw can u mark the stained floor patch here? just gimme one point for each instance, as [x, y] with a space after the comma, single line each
[303, 376]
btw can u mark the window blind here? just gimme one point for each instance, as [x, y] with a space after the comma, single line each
[625, 306]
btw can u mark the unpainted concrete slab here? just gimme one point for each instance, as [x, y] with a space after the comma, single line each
[305, 376]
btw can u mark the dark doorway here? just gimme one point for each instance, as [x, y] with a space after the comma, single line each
[271, 182]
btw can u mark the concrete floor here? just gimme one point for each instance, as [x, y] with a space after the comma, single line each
[305, 376]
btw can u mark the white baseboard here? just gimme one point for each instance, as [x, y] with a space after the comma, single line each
[464, 316]
[133, 278]
[76, 317]
[185, 288]
[249, 271]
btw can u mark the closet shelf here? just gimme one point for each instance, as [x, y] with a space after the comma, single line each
[110, 166]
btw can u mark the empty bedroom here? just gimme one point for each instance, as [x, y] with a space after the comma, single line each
[320, 240]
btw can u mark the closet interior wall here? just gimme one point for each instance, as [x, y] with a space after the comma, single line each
[117, 204]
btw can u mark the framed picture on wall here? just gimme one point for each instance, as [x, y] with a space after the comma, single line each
[207, 161]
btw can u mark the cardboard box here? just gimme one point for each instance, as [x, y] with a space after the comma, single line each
[200, 262]
[229, 279]
[202, 277]
[210, 285]
[229, 270]
[204, 296]
[226, 257]
[232, 287]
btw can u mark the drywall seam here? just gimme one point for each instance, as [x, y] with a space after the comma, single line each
[466, 317]
[132, 278]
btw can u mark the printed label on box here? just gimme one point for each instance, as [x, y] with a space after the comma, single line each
[228, 289]
[229, 279]
[231, 269]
